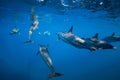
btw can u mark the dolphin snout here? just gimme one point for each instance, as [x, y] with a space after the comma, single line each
[58, 33]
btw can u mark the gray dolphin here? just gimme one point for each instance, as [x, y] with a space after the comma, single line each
[28, 41]
[112, 38]
[15, 30]
[76, 41]
[43, 51]
[100, 44]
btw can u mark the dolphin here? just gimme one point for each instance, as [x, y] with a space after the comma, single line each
[112, 38]
[43, 51]
[15, 30]
[75, 41]
[29, 41]
[100, 44]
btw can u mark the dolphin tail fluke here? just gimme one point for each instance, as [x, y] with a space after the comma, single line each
[54, 74]
[95, 36]
[71, 29]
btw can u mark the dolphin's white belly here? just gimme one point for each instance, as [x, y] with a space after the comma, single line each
[79, 40]
[45, 56]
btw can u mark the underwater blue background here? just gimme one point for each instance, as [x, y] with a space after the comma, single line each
[18, 61]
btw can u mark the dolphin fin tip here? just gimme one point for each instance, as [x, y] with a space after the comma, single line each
[96, 36]
[71, 29]
[92, 49]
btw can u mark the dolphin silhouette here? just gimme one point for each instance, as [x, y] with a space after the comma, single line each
[100, 44]
[112, 38]
[15, 30]
[43, 51]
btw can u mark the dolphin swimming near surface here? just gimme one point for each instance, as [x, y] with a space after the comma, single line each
[43, 51]
[74, 40]
[112, 38]
[100, 44]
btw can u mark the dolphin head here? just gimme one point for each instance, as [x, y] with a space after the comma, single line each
[64, 35]
[60, 34]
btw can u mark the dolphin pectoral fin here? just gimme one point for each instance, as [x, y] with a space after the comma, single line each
[54, 74]
[95, 36]
[92, 49]
[70, 30]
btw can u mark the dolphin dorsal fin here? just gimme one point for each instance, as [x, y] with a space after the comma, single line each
[95, 36]
[113, 34]
[70, 30]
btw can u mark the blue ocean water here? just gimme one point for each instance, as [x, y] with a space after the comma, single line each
[18, 61]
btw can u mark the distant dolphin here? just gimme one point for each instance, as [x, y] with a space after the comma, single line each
[76, 41]
[15, 30]
[43, 51]
[112, 38]
[100, 44]
[29, 41]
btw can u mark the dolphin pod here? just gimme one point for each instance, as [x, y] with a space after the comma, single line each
[91, 44]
